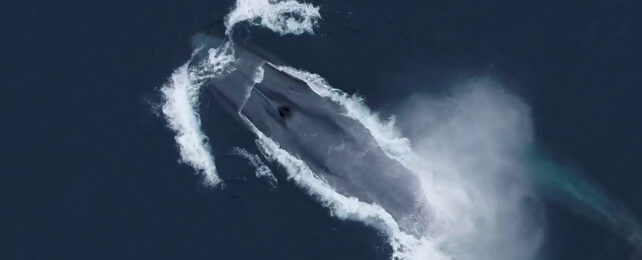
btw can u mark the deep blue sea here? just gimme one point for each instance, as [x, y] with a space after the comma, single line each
[90, 170]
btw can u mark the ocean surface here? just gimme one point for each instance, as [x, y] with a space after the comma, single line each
[91, 170]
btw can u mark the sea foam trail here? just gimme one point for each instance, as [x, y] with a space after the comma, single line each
[262, 170]
[180, 108]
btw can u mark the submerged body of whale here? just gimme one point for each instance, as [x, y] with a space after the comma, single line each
[315, 129]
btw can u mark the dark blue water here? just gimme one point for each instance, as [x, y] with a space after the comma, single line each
[90, 172]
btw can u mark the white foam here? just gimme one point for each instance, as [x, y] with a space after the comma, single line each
[180, 110]
[218, 62]
[280, 16]
[181, 100]
[262, 170]
[258, 75]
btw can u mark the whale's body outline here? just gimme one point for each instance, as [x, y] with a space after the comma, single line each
[338, 149]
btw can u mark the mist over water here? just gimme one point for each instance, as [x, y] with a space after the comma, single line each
[473, 143]
[282, 17]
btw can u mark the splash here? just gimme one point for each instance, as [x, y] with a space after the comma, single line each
[219, 61]
[280, 16]
[471, 144]
[180, 108]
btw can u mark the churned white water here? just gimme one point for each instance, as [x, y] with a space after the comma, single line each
[280, 16]
[180, 108]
